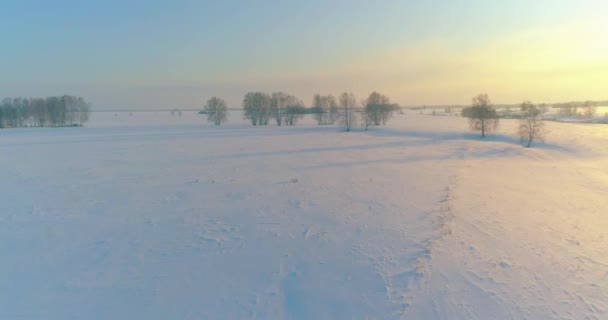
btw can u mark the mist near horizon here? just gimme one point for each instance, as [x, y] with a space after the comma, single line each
[158, 55]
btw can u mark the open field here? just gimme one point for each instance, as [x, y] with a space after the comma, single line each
[153, 216]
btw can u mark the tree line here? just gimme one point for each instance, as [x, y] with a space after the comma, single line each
[281, 108]
[62, 111]
[261, 109]
[584, 109]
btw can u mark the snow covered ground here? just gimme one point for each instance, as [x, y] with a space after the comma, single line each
[153, 216]
[528, 233]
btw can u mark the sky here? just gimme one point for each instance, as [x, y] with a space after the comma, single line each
[152, 54]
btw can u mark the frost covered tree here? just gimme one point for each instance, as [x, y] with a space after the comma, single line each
[293, 113]
[60, 111]
[294, 110]
[216, 110]
[482, 115]
[278, 105]
[258, 108]
[317, 108]
[531, 125]
[347, 103]
[325, 109]
[377, 110]
[332, 108]
[367, 119]
[77, 111]
[279, 102]
[84, 111]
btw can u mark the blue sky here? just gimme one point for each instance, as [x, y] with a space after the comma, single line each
[157, 54]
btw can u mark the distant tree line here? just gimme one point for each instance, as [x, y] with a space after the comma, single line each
[63, 111]
[284, 109]
[584, 109]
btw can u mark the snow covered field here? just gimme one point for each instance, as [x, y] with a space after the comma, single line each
[153, 216]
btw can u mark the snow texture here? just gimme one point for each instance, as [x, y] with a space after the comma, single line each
[153, 216]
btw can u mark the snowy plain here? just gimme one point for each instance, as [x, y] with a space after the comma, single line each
[146, 215]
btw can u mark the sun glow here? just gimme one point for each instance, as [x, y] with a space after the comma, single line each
[551, 63]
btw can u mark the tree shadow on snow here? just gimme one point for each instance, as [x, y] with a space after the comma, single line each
[411, 139]
[460, 135]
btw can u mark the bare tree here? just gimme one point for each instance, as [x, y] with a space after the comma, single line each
[278, 101]
[325, 109]
[531, 125]
[482, 115]
[251, 108]
[258, 108]
[378, 110]
[367, 118]
[589, 109]
[332, 107]
[216, 110]
[294, 112]
[348, 103]
[84, 111]
[317, 108]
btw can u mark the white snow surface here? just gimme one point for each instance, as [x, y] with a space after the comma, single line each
[153, 216]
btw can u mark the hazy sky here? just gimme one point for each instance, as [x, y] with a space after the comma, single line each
[159, 54]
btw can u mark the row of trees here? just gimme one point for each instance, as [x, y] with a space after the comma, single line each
[587, 109]
[483, 117]
[61, 111]
[285, 109]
